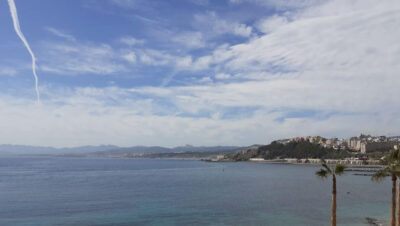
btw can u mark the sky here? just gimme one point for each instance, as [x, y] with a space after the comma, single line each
[200, 72]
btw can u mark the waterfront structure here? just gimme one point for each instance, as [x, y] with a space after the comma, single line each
[377, 146]
[367, 143]
[362, 143]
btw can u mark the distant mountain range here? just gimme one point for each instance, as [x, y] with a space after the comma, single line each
[108, 150]
[7, 149]
[146, 150]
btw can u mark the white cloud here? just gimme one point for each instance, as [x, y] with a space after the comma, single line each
[131, 41]
[60, 34]
[84, 116]
[98, 58]
[272, 23]
[222, 76]
[200, 2]
[130, 57]
[206, 79]
[155, 57]
[124, 3]
[335, 59]
[354, 43]
[184, 62]
[178, 63]
[219, 26]
[344, 65]
[190, 39]
[282, 5]
[7, 71]
[290, 94]
[80, 58]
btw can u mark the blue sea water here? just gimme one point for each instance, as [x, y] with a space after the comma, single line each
[100, 191]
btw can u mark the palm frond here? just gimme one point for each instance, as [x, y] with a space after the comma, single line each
[381, 174]
[395, 169]
[393, 156]
[339, 169]
[397, 154]
[384, 160]
[322, 173]
[326, 167]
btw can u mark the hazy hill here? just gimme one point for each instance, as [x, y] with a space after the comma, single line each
[145, 150]
[302, 149]
[133, 150]
[7, 149]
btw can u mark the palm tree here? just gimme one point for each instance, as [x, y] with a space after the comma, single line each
[392, 168]
[324, 172]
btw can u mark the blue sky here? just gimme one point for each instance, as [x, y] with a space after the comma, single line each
[202, 72]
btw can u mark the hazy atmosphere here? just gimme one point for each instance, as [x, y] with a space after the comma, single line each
[201, 72]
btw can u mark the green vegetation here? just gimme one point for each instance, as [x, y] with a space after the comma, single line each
[299, 150]
[324, 172]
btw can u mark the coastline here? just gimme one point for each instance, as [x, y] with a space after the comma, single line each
[367, 167]
[347, 162]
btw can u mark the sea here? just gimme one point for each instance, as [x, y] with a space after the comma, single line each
[116, 191]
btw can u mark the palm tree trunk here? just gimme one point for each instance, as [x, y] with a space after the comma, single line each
[393, 220]
[333, 219]
[398, 213]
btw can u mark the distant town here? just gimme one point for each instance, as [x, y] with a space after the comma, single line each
[362, 143]
[358, 150]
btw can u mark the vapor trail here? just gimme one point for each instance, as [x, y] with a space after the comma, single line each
[14, 15]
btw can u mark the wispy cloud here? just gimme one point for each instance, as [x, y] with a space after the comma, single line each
[80, 58]
[60, 34]
[125, 3]
[7, 71]
[282, 5]
[320, 68]
[199, 116]
[130, 57]
[93, 58]
[131, 41]
[200, 2]
[272, 23]
[220, 26]
[190, 39]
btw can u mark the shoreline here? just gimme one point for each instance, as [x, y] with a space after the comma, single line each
[356, 167]
[346, 162]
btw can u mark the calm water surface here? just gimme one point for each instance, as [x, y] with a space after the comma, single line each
[80, 191]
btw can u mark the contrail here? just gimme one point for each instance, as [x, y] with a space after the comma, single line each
[14, 15]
